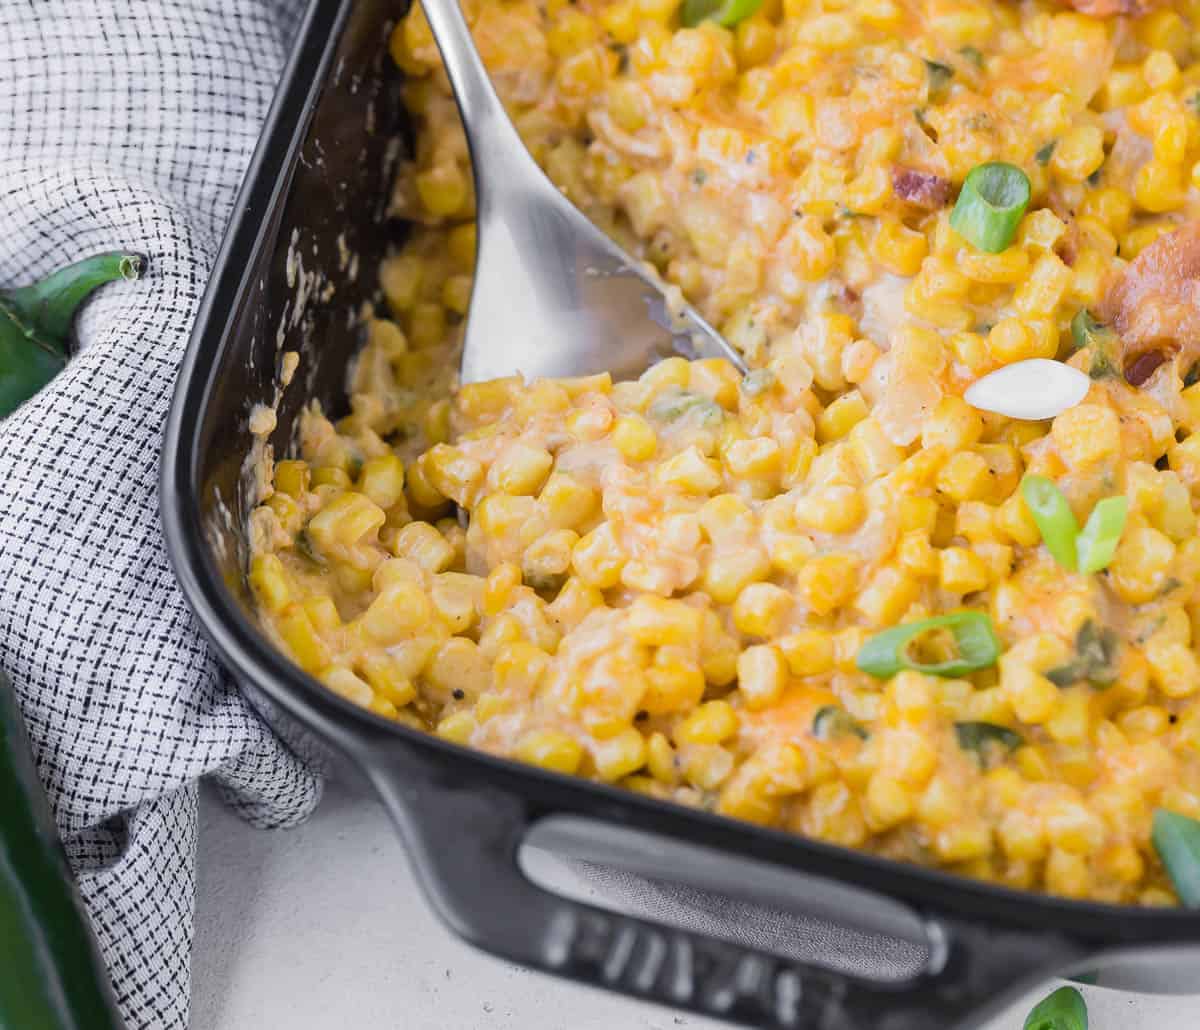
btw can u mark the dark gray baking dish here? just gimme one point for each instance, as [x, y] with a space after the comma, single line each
[316, 192]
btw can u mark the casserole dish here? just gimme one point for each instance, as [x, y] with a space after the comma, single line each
[291, 278]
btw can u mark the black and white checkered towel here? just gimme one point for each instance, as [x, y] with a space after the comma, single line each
[125, 123]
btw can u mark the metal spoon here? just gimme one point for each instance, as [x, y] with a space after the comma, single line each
[553, 295]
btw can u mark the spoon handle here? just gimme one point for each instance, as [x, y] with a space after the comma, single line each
[494, 142]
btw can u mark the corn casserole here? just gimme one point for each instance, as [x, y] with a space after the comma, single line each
[840, 596]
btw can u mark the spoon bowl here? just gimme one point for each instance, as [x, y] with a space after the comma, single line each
[553, 295]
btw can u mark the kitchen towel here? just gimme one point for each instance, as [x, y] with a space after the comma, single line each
[125, 124]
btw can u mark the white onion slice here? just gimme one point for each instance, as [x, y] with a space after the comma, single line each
[1032, 390]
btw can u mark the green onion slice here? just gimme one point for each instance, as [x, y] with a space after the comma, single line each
[1097, 649]
[1097, 543]
[939, 76]
[980, 736]
[1054, 518]
[1177, 841]
[673, 405]
[1063, 1010]
[1044, 153]
[758, 382]
[723, 12]
[886, 653]
[832, 721]
[990, 206]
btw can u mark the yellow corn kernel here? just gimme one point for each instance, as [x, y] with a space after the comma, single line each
[303, 644]
[886, 597]
[322, 613]
[887, 803]
[710, 723]
[292, 478]
[917, 556]
[940, 803]
[961, 572]
[911, 695]
[917, 513]
[1033, 697]
[954, 424]
[758, 458]
[760, 609]
[388, 678]
[906, 756]
[269, 583]
[520, 470]
[660, 759]
[827, 581]
[457, 598]
[419, 542]
[964, 477]
[1087, 434]
[382, 480]
[634, 438]
[1009, 266]
[342, 681]
[690, 472]
[674, 682]
[1173, 667]
[549, 749]
[808, 652]
[1158, 186]
[841, 416]
[568, 501]
[1140, 568]
[728, 572]
[457, 727]
[762, 675]
[596, 558]
[831, 509]
[656, 620]
[619, 755]
[899, 249]
[400, 610]
[400, 278]
[344, 521]
[1067, 874]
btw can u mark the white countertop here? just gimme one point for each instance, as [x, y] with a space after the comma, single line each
[322, 927]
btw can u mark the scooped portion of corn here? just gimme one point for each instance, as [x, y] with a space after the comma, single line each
[816, 597]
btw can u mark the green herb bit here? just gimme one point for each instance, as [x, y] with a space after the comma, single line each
[758, 382]
[1194, 102]
[972, 54]
[1177, 840]
[1099, 339]
[1063, 1010]
[939, 76]
[1097, 544]
[699, 176]
[1055, 520]
[990, 206]
[832, 721]
[982, 737]
[886, 653]
[723, 12]
[1044, 154]
[1192, 376]
[929, 130]
[676, 405]
[1096, 649]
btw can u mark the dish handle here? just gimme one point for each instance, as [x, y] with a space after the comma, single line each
[464, 840]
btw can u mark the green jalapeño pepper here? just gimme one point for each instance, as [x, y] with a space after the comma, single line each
[35, 323]
[52, 976]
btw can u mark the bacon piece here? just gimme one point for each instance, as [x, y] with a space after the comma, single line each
[1154, 305]
[922, 189]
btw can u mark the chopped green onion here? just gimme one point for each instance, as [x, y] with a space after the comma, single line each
[973, 54]
[990, 206]
[723, 12]
[1043, 155]
[1054, 518]
[886, 653]
[1063, 1010]
[1099, 339]
[832, 721]
[1177, 841]
[978, 736]
[675, 405]
[1095, 658]
[939, 76]
[1097, 543]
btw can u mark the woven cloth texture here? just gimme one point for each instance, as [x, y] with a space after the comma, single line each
[125, 125]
